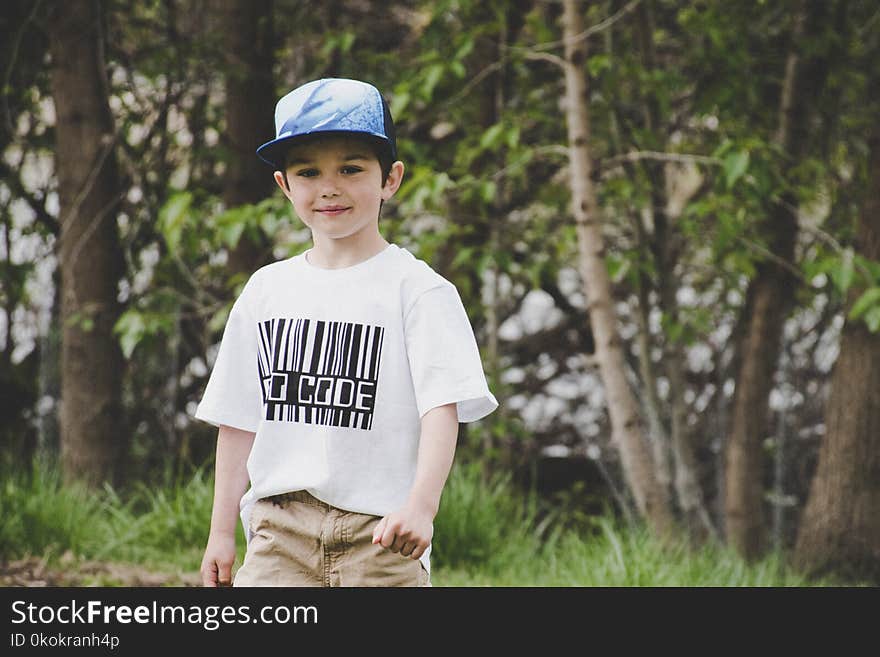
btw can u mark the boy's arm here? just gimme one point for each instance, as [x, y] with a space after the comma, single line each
[408, 530]
[230, 483]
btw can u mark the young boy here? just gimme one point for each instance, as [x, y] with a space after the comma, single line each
[342, 374]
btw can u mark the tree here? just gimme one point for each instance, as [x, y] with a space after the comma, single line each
[840, 527]
[651, 498]
[89, 190]
[247, 35]
[770, 293]
[665, 249]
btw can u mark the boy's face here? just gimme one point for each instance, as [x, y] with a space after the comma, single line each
[335, 185]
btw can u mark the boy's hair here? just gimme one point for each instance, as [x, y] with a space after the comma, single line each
[332, 106]
[380, 150]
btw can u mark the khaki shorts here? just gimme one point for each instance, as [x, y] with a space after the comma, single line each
[298, 540]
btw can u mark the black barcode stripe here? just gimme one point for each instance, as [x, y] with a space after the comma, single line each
[337, 348]
[337, 352]
[279, 332]
[351, 367]
[290, 349]
[264, 357]
[286, 341]
[341, 416]
[374, 352]
[331, 364]
[317, 347]
[362, 370]
[266, 352]
[331, 348]
[301, 348]
[346, 348]
[326, 362]
[374, 368]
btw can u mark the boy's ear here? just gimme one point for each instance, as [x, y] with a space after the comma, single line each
[393, 181]
[282, 182]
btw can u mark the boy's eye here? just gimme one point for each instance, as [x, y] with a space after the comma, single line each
[349, 169]
[307, 173]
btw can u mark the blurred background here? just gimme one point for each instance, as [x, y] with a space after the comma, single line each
[663, 218]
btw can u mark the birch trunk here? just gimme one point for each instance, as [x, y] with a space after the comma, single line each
[657, 434]
[90, 257]
[627, 431]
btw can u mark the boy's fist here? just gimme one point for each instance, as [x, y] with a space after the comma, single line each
[407, 531]
[217, 563]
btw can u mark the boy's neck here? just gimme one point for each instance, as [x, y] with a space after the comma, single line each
[338, 254]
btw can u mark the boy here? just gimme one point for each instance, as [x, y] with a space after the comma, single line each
[342, 374]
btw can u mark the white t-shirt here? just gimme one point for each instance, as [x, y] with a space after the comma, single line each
[333, 369]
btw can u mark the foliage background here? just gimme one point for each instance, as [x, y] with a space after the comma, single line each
[477, 99]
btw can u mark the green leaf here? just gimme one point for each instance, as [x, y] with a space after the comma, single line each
[173, 217]
[231, 224]
[462, 256]
[843, 273]
[735, 165]
[218, 320]
[464, 49]
[870, 298]
[130, 327]
[346, 41]
[432, 77]
[674, 331]
[492, 136]
[598, 63]
[399, 103]
[872, 267]
[872, 319]
[723, 147]
[487, 191]
[618, 267]
[512, 137]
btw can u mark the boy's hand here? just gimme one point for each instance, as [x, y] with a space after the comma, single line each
[407, 531]
[217, 563]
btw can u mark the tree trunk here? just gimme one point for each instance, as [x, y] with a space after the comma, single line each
[247, 41]
[657, 433]
[91, 262]
[627, 431]
[768, 300]
[687, 486]
[840, 527]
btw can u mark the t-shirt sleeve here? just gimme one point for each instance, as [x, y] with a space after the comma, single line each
[233, 396]
[443, 356]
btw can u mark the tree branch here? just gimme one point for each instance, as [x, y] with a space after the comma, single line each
[593, 29]
[685, 158]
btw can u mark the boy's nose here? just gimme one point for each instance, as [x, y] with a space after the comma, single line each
[329, 188]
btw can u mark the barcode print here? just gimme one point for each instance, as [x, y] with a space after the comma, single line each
[319, 372]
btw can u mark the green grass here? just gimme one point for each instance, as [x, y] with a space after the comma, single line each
[486, 534]
[160, 528]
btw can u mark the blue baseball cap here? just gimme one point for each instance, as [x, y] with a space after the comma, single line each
[330, 106]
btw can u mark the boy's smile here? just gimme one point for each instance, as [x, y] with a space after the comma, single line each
[334, 210]
[335, 185]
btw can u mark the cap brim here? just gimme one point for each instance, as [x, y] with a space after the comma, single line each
[272, 152]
